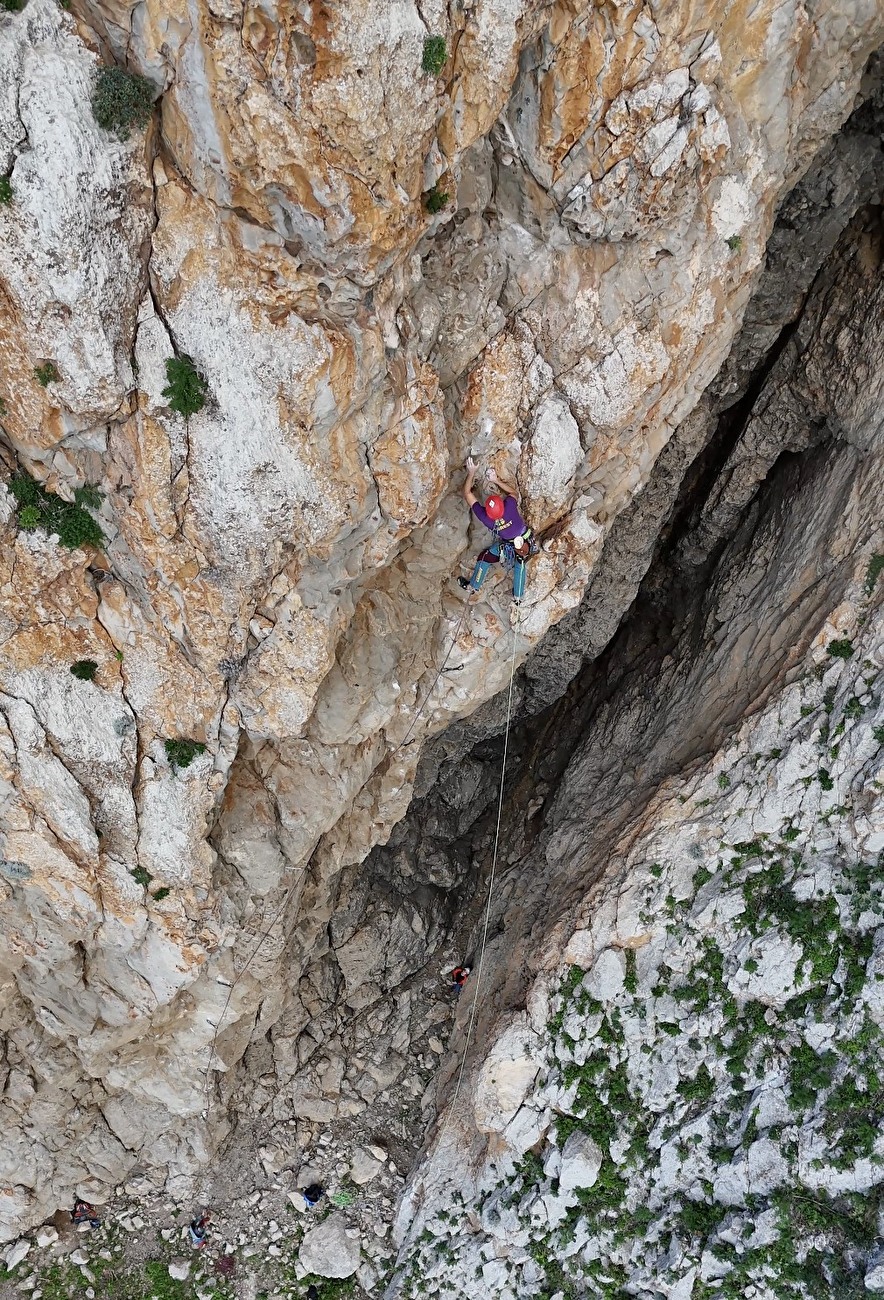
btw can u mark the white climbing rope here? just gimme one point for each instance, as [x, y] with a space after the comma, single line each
[405, 739]
[477, 986]
[207, 1091]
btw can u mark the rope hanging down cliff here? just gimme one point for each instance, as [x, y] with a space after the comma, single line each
[491, 879]
[501, 515]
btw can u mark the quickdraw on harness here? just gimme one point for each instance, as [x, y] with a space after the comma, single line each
[508, 552]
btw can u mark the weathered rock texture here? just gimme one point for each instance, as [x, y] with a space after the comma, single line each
[704, 871]
[276, 580]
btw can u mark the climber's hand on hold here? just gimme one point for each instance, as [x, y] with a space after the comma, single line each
[491, 476]
[468, 494]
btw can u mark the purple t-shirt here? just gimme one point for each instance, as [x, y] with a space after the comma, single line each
[511, 525]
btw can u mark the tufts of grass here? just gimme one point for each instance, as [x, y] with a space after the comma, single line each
[809, 1073]
[630, 980]
[187, 389]
[876, 565]
[434, 56]
[46, 374]
[700, 1088]
[5, 190]
[141, 875]
[181, 753]
[122, 100]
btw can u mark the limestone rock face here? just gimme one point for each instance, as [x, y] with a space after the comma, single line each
[688, 931]
[328, 1251]
[581, 1161]
[275, 580]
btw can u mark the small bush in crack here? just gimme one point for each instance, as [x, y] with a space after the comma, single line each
[159, 894]
[5, 190]
[876, 566]
[122, 100]
[435, 200]
[734, 243]
[840, 649]
[89, 495]
[142, 876]
[181, 753]
[12, 6]
[38, 508]
[435, 54]
[46, 374]
[84, 670]
[186, 389]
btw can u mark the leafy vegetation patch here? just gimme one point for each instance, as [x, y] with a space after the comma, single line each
[71, 521]
[46, 374]
[876, 565]
[187, 389]
[84, 670]
[436, 199]
[181, 752]
[435, 54]
[121, 100]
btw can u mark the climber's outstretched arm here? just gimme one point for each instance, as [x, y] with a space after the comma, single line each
[468, 494]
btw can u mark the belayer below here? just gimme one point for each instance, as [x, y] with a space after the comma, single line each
[512, 536]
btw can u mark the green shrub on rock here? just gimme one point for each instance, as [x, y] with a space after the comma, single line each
[84, 670]
[46, 374]
[38, 508]
[181, 753]
[186, 389]
[435, 200]
[435, 54]
[122, 100]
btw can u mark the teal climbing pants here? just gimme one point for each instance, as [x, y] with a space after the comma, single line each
[493, 556]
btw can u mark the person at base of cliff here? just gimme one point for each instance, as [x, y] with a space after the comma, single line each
[459, 976]
[198, 1230]
[512, 537]
[83, 1212]
[312, 1196]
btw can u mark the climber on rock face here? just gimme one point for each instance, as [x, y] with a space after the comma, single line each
[83, 1212]
[198, 1229]
[512, 536]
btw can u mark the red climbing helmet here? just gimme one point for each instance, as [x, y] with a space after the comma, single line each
[494, 507]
